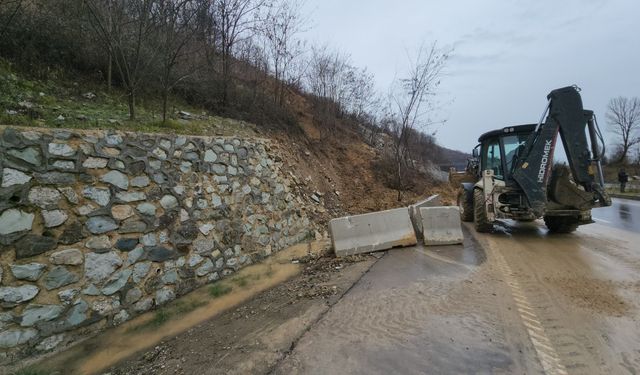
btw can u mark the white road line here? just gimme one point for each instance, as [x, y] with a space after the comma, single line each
[603, 220]
[547, 355]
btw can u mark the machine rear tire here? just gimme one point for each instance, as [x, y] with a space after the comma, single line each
[465, 206]
[561, 224]
[480, 220]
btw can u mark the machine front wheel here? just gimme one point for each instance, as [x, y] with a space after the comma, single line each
[466, 206]
[480, 219]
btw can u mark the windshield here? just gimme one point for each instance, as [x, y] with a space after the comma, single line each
[513, 146]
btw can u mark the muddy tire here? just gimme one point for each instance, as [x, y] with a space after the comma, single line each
[466, 206]
[480, 220]
[561, 224]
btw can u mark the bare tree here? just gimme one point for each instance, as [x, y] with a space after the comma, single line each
[125, 28]
[9, 9]
[280, 27]
[411, 102]
[623, 116]
[230, 22]
[176, 29]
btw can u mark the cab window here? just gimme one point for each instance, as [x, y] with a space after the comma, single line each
[492, 158]
[513, 146]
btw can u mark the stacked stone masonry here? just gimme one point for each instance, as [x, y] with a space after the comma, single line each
[96, 227]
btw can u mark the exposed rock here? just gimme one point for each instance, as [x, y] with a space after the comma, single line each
[55, 178]
[149, 239]
[116, 282]
[70, 194]
[140, 181]
[29, 271]
[206, 228]
[15, 337]
[86, 209]
[146, 209]
[98, 267]
[219, 169]
[54, 218]
[134, 255]
[64, 164]
[100, 224]
[14, 220]
[91, 290]
[113, 139]
[72, 234]
[170, 277]
[78, 314]
[101, 196]
[132, 196]
[126, 244]
[194, 260]
[132, 226]
[13, 295]
[140, 271]
[205, 268]
[71, 257]
[99, 243]
[122, 211]
[40, 313]
[30, 155]
[203, 246]
[164, 295]
[95, 163]
[133, 295]
[59, 276]
[168, 202]
[32, 245]
[44, 197]
[159, 153]
[61, 149]
[68, 295]
[117, 179]
[161, 254]
[121, 317]
[50, 343]
[210, 156]
[12, 177]
[143, 305]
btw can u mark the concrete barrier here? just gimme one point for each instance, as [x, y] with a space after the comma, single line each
[414, 212]
[441, 225]
[372, 232]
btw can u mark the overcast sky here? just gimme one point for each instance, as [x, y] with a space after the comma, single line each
[507, 54]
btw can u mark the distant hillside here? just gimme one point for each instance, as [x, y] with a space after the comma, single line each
[447, 158]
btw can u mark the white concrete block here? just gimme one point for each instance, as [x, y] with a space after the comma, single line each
[414, 211]
[372, 232]
[441, 225]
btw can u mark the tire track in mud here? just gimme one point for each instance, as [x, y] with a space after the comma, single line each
[547, 354]
[403, 316]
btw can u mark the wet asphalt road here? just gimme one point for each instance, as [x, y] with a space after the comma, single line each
[518, 300]
[623, 214]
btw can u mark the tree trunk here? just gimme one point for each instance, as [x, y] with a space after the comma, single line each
[109, 72]
[132, 104]
[165, 99]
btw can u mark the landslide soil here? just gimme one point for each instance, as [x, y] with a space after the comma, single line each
[253, 337]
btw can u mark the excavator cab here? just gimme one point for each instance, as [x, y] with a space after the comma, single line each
[515, 177]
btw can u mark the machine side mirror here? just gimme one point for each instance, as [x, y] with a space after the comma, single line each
[476, 152]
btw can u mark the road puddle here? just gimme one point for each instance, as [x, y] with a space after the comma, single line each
[108, 348]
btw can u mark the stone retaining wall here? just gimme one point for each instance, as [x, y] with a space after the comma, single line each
[96, 227]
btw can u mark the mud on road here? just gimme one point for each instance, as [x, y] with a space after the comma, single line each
[514, 301]
[253, 337]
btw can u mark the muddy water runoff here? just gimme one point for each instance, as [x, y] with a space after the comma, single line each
[108, 348]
